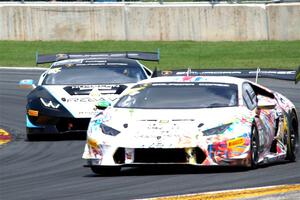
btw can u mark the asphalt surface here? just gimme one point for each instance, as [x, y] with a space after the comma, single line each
[53, 169]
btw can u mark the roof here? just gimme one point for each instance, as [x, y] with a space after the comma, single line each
[218, 79]
[93, 61]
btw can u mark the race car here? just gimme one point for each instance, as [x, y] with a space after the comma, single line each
[192, 120]
[64, 98]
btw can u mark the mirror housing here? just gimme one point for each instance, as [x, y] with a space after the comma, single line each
[263, 104]
[102, 105]
[27, 84]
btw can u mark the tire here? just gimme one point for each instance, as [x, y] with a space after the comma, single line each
[101, 170]
[292, 140]
[31, 135]
[254, 148]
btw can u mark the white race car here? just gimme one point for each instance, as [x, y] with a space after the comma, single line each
[193, 120]
[64, 98]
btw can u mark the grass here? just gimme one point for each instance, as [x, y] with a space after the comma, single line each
[174, 55]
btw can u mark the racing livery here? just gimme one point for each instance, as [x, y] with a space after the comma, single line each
[193, 120]
[64, 99]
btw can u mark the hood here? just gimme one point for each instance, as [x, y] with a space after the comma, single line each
[170, 127]
[80, 100]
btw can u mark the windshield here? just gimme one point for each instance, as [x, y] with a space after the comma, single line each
[94, 74]
[180, 95]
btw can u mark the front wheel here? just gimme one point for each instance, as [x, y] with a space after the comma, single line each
[292, 139]
[254, 147]
[32, 134]
[106, 170]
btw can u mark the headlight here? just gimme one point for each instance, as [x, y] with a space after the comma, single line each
[216, 130]
[107, 130]
[50, 104]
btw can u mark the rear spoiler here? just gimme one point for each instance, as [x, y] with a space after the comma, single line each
[136, 55]
[291, 75]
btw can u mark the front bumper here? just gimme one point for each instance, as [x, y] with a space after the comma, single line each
[51, 124]
[109, 156]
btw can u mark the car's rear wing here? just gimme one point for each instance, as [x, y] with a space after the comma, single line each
[136, 55]
[292, 75]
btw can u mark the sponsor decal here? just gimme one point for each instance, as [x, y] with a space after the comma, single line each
[187, 78]
[91, 113]
[173, 84]
[92, 142]
[236, 142]
[100, 87]
[166, 73]
[82, 100]
[214, 84]
[61, 56]
[123, 64]
[273, 72]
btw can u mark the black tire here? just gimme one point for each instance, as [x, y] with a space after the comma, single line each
[31, 135]
[105, 170]
[254, 148]
[292, 139]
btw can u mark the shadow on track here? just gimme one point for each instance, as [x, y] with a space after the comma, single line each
[57, 137]
[171, 170]
[158, 170]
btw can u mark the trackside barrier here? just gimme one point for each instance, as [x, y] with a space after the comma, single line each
[149, 21]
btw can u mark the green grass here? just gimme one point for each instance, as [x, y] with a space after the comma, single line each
[180, 54]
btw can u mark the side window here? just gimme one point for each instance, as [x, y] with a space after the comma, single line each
[148, 71]
[249, 96]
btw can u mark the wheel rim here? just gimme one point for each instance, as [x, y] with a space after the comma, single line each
[293, 140]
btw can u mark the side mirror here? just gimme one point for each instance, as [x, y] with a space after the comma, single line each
[102, 105]
[27, 84]
[264, 104]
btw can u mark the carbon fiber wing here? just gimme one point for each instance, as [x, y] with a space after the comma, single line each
[292, 75]
[136, 55]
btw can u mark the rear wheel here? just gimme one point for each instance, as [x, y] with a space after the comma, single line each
[105, 170]
[292, 139]
[254, 147]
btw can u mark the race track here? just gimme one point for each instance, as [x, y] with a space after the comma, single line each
[54, 169]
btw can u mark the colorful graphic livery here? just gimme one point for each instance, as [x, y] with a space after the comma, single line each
[64, 99]
[192, 120]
